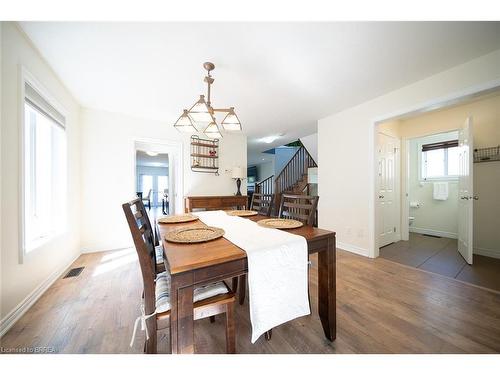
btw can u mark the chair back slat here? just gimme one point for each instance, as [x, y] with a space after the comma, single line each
[262, 203]
[142, 235]
[299, 207]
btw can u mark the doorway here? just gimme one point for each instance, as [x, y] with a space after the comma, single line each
[432, 192]
[449, 196]
[152, 175]
[158, 176]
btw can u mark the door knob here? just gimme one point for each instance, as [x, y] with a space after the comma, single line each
[475, 197]
[381, 196]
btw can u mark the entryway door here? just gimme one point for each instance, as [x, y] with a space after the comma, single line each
[465, 190]
[388, 178]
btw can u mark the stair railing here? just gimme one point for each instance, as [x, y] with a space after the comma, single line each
[265, 186]
[293, 171]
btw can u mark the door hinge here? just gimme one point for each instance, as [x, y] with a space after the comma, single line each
[394, 229]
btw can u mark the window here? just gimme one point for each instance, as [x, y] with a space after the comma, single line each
[147, 185]
[162, 187]
[439, 160]
[44, 181]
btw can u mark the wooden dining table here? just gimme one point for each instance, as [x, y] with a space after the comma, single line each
[192, 265]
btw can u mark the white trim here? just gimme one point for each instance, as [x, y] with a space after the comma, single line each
[422, 107]
[353, 249]
[433, 232]
[12, 317]
[487, 252]
[405, 193]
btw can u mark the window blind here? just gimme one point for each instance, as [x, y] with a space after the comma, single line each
[440, 145]
[44, 107]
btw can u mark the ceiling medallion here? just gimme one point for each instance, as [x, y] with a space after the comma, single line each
[201, 116]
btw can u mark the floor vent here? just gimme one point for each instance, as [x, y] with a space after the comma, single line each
[74, 272]
[431, 235]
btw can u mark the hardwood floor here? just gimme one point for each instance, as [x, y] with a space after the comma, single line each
[440, 255]
[382, 307]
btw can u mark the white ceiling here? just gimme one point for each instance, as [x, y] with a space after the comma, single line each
[280, 77]
[145, 160]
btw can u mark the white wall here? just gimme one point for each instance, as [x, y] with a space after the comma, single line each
[310, 142]
[21, 282]
[265, 170]
[108, 139]
[346, 149]
[434, 217]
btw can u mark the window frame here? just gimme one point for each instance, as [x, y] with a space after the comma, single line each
[422, 160]
[25, 77]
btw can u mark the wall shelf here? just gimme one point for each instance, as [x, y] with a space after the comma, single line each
[204, 155]
[486, 154]
[203, 143]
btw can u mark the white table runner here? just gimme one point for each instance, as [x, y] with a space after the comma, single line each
[277, 269]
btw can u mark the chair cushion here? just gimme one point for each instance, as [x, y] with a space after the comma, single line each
[162, 292]
[159, 254]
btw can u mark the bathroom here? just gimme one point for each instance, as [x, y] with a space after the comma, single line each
[428, 216]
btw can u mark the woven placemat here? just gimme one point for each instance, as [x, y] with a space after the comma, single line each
[172, 219]
[194, 234]
[242, 213]
[280, 223]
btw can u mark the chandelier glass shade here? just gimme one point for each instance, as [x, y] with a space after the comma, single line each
[231, 122]
[202, 113]
[212, 131]
[184, 123]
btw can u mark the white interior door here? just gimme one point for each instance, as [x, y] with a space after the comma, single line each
[387, 200]
[465, 190]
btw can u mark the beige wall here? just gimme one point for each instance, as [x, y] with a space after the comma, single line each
[434, 217]
[391, 128]
[20, 282]
[486, 130]
[346, 154]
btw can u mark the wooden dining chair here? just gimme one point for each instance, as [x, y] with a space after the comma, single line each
[299, 207]
[209, 300]
[147, 198]
[262, 203]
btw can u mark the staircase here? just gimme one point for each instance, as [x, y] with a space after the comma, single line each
[292, 178]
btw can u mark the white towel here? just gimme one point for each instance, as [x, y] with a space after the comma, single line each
[440, 191]
[277, 270]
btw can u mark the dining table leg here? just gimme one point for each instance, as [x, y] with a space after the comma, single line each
[181, 313]
[327, 289]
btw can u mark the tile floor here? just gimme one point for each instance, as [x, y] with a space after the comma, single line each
[440, 255]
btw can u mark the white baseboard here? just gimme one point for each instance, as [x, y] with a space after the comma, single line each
[487, 252]
[433, 232]
[352, 248]
[12, 317]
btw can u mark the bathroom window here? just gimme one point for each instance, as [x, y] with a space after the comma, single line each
[439, 160]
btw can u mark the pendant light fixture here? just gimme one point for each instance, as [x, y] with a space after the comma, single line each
[202, 115]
